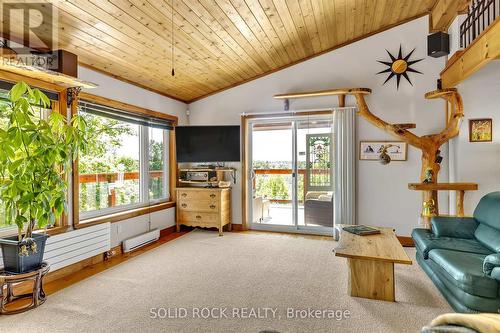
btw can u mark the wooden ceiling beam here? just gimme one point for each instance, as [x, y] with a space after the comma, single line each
[444, 12]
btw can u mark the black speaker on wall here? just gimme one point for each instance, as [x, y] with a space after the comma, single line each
[438, 44]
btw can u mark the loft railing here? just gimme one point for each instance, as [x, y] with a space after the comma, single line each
[480, 14]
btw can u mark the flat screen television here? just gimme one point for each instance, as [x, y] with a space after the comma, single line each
[199, 144]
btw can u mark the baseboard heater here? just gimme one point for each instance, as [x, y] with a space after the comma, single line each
[73, 246]
[136, 242]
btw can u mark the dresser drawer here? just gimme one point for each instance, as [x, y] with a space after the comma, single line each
[197, 195]
[198, 217]
[207, 206]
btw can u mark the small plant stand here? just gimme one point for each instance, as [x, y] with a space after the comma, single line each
[7, 282]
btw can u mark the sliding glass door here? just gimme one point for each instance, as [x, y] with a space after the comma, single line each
[291, 174]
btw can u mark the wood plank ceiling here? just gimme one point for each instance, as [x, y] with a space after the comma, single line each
[218, 43]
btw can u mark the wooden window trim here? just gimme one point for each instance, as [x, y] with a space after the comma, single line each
[126, 107]
[120, 216]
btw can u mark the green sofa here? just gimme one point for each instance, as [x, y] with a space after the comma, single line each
[462, 256]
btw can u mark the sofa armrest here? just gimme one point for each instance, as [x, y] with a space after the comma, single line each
[495, 273]
[490, 263]
[455, 227]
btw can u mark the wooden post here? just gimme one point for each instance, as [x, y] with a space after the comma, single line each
[341, 101]
[460, 203]
[172, 161]
[112, 198]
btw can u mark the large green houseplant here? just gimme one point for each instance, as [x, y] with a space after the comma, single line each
[36, 154]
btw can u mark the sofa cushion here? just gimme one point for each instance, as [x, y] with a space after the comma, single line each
[466, 271]
[426, 241]
[488, 210]
[488, 237]
[452, 226]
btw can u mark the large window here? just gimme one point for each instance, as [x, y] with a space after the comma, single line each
[158, 172]
[125, 165]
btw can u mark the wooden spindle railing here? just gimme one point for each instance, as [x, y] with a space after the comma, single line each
[480, 14]
[113, 177]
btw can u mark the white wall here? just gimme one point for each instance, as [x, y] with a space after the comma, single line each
[454, 32]
[479, 162]
[476, 162]
[128, 93]
[383, 197]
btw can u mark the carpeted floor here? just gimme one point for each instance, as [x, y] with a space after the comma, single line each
[240, 272]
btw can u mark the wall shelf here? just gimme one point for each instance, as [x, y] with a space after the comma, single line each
[459, 187]
[46, 75]
[443, 186]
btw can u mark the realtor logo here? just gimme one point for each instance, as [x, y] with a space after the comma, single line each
[29, 29]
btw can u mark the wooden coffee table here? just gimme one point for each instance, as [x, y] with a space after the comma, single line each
[371, 262]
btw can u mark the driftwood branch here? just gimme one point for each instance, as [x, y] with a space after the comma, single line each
[426, 142]
[397, 131]
[453, 126]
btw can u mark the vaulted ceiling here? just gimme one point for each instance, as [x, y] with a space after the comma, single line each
[218, 43]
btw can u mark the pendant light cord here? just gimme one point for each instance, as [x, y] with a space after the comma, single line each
[173, 70]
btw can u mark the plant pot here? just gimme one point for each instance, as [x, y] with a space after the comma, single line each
[17, 261]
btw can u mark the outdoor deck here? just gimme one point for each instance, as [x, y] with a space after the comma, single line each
[280, 214]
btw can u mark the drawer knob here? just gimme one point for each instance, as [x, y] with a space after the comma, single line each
[198, 217]
[212, 206]
[184, 205]
[183, 195]
[212, 195]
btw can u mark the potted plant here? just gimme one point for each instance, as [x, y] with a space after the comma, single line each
[36, 154]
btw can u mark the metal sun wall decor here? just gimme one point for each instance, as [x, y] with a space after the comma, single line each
[399, 66]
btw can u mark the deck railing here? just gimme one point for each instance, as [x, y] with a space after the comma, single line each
[113, 177]
[155, 176]
[480, 14]
[288, 172]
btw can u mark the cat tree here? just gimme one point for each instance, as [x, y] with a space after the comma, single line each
[429, 144]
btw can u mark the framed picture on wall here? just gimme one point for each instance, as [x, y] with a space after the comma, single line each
[370, 150]
[480, 130]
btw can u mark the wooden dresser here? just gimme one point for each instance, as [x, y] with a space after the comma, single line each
[204, 207]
